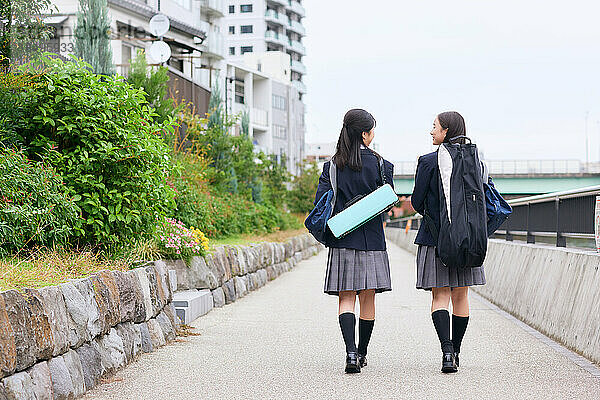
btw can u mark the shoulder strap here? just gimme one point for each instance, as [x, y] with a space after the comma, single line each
[485, 173]
[381, 170]
[333, 180]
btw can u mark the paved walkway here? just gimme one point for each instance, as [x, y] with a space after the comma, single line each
[283, 342]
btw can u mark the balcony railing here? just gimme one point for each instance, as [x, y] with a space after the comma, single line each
[297, 47]
[214, 8]
[297, 8]
[277, 18]
[279, 2]
[297, 27]
[300, 86]
[214, 44]
[276, 37]
[299, 67]
[260, 117]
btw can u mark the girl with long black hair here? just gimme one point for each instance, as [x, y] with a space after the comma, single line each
[357, 263]
[444, 282]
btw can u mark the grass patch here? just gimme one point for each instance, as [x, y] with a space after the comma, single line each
[49, 268]
[244, 240]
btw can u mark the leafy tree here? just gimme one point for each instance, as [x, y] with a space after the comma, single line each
[304, 187]
[215, 108]
[274, 176]
[92, 40]
[154, 82]
[245, 123]
[22, 30]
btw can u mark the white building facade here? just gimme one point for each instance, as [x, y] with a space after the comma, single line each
[259, 26]
[275, 111]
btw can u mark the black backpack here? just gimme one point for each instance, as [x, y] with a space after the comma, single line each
[462, 238]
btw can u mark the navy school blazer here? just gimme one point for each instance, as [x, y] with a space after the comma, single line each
[368, 237]
[427, 191]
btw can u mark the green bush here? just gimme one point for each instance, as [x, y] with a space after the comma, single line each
[35, 209]
[218, 214]
[304, 187]
[98, 133]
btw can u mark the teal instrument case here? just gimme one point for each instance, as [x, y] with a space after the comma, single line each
[362, 211]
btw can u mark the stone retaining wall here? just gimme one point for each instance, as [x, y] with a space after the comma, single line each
[58, 342]
[555, 290]
[233, 271]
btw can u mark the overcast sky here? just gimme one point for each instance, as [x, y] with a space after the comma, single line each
[523, 73]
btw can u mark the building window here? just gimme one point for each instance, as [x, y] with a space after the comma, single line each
[246, 8]
[246, 29]
[279, 102]
[246, 49]
[176, 63]
[232, 51]
[232, 30]
[279, 132]
[231, 9]
[239, 93]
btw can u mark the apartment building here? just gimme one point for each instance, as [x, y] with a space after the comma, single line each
[195, 38]
[276, 113]
[258, 26]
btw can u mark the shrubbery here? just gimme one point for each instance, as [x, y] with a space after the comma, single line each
[304, 188]
[93, 167]
[97, 132]
[218, 214]
[35, 208]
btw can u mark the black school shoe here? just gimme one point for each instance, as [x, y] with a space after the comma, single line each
[448, 363]
[352, 364]
[456, 360]
[362, 360]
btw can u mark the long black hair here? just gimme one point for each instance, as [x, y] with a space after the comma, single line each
[455, 124]
[356, 121]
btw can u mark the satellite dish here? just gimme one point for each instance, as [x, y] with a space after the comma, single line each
[159, 51]
[159, 25]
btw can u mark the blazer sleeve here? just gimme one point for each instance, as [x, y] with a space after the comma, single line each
[324, 183]
[422, 178]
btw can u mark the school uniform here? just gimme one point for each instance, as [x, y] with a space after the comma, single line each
[358, 261]
[431, 272]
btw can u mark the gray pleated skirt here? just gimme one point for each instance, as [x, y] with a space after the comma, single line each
[356, 270]
[432, 273]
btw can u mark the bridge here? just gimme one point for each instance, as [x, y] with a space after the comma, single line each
[283, 342]
[517, 178]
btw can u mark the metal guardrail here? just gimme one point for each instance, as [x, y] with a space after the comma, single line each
[520, 167]
[558, 218]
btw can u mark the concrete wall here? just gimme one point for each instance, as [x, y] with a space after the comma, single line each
[555, 290]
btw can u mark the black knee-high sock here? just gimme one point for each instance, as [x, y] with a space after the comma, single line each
[459, 327]
[365, 327]
[441, 321]
[347, 325]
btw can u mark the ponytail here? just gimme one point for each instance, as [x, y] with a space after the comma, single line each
[347, 153]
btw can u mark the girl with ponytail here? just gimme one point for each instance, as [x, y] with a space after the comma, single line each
[357, 263]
